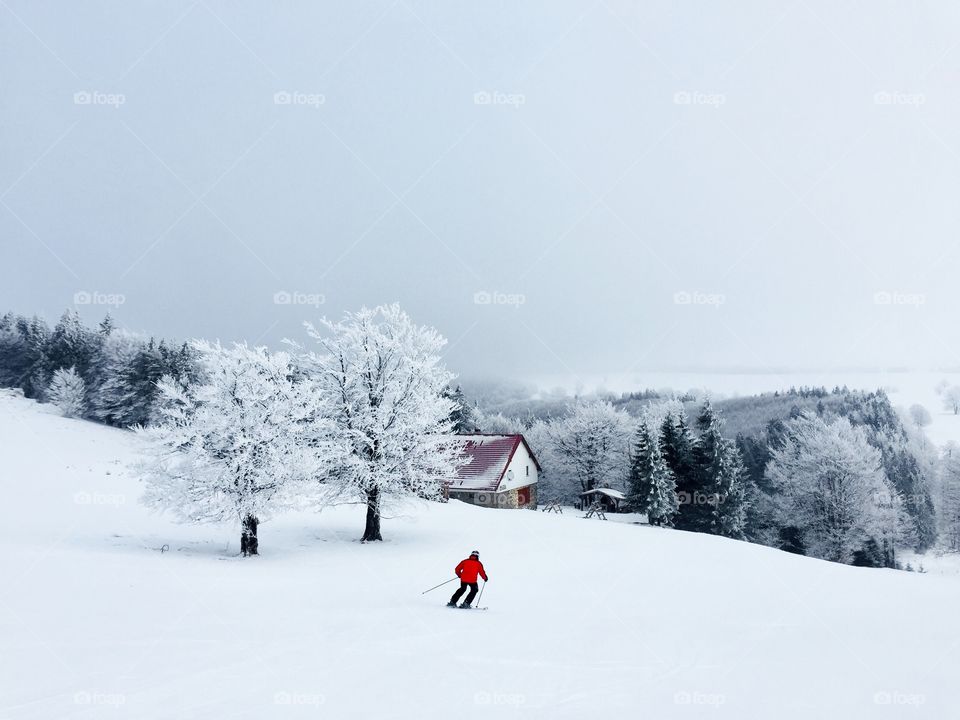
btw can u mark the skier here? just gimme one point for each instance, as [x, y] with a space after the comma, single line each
[467, 571]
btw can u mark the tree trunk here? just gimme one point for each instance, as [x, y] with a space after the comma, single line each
[248, 536]
[372, 531]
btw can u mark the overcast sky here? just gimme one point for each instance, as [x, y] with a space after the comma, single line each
[559, 187]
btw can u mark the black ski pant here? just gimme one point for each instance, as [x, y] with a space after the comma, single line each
[462, 590]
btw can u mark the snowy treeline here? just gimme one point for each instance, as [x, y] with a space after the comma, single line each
[835, 474]
[364, 413]
[104, 374]
[693, 481]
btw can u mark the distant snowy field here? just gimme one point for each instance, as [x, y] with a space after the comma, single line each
[587, 619]
[904, 388]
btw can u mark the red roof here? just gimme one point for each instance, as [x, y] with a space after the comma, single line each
[489, 456]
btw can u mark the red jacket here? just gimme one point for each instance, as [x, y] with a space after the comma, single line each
[467, 570]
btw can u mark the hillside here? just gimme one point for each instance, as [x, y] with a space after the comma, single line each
[586, 618]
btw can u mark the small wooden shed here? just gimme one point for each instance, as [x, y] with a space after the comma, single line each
[608, 498]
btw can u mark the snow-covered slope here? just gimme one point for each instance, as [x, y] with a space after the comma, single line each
[587, 618]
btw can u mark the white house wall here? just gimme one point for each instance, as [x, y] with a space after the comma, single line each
[516, 475]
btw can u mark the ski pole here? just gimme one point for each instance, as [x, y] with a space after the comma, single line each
[436, 586]
[482, 587]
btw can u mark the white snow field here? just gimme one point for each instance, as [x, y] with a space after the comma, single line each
[586, 619]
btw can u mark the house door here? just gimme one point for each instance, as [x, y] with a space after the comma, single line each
[523, 496]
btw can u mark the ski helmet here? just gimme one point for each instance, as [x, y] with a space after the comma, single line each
[475, 553]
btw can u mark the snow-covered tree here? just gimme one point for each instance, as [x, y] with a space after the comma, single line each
[128, 368]
[718, 503]
[951, 399]
[462, 417]
[384, 383]
[590, 446]
[497, 424]
[232, 449]
[651, 486]
[834, 488]
[70, 345]
[676, 444]
[920, 416]
[68, 392]
[948, 505]
[112, 394]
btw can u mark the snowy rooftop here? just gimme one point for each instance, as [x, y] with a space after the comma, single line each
[489, 457]
[609, 492]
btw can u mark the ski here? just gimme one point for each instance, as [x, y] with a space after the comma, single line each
[457, 607]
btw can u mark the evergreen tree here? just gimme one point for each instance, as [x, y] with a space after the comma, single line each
[462, 415]
[651, 484]
[720, 503]
[676, 445]
[35, 378]
[68, 392]
[70, 345]
[118, 351]
[106, 326]
[12, 351]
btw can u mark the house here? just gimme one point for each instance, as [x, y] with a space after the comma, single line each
[502, 472]
[608, 499]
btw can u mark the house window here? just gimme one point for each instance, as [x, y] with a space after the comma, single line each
[528, 471]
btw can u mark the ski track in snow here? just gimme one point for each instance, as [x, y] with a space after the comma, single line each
[587, 618]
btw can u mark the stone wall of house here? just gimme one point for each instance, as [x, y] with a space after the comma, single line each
[507, 500]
